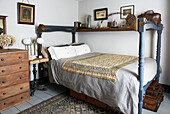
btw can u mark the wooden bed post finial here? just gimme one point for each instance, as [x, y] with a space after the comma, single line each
[41, 28]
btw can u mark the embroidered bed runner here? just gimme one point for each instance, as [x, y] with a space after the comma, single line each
[100, 66]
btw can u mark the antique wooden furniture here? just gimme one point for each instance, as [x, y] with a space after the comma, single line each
[14, 78]
[143, 25]
[2, 24]
[153, 97]
[34, 62]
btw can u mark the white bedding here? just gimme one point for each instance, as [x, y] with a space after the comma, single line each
[150, 69]
[123, 93]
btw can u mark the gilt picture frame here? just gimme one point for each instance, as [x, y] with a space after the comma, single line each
[26, 13]
[126, 10]
[101, 14]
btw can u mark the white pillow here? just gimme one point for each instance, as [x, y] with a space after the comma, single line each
[62, 52]
[51, 51]
[82, 49]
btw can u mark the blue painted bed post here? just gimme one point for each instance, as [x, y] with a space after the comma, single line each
[142, 28]
[159, 32]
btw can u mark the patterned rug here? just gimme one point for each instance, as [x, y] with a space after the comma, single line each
[64, 104]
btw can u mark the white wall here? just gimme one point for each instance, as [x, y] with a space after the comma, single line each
[49, 12]
[127, 42]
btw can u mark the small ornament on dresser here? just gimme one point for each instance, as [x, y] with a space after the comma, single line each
[6, 40]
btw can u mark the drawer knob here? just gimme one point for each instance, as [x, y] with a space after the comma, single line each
[20, 77]
[20, 67]
[4, 93]
[21, 88]
[22, 97]
[20, 57]
[3, 71]
[2, 59]
[4, 103]
[3, 82]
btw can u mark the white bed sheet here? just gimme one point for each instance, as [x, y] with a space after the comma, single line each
[150, 69]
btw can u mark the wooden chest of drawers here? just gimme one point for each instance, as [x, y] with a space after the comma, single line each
[14, 78]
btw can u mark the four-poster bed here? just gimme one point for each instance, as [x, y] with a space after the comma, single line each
[143, 25]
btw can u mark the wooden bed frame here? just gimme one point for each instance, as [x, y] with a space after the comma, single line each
[143, 25]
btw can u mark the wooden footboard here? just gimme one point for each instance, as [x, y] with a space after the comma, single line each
[88, 99]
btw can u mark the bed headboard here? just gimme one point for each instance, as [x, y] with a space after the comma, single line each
[48, 28]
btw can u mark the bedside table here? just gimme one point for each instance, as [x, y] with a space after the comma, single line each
[34, 62]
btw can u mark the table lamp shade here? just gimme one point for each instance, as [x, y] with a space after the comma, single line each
[27, 41]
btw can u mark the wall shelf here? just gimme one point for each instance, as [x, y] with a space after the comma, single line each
[105, 29]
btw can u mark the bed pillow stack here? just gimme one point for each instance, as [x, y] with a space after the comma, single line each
[68, 51]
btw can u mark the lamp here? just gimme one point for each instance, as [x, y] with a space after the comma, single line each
[27, 42]
[40, 40]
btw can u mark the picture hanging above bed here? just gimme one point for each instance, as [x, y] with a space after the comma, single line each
[101, 14]
[126, 10]
[26, 13]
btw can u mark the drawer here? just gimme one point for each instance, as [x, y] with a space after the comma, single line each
[13, 58]
[77, 95]
[14, 90]
[5, 70]
[15, 100]
[95, 102]
[12, 79]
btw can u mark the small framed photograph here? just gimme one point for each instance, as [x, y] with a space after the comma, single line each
[100, 14]
[126, 10]
[26, 13]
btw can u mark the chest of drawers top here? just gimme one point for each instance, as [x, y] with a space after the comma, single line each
[12, 56]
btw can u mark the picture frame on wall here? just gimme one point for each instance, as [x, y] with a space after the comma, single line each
[126, 10]
[26, 13]
[101, 14]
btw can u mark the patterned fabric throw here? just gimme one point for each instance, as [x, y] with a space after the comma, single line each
[100, 66]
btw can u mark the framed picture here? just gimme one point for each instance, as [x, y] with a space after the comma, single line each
[26, 13]
[126, 10]
[100, 14]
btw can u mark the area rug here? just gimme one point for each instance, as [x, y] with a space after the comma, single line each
[64, 104]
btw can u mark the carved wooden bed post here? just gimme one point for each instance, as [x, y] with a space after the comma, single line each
[159, 32]
[142, 28]
[41, 29]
